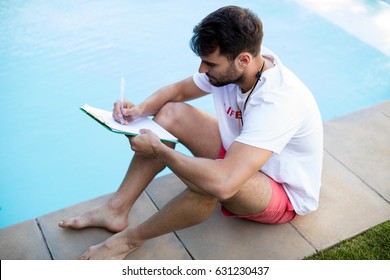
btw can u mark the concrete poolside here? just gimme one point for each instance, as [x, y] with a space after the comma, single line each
[355, 196]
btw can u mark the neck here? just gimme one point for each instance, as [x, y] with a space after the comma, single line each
[250, 78]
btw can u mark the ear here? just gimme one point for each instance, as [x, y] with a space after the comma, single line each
[243, 59]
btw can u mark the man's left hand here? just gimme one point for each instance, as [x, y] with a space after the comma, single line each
[146, 143]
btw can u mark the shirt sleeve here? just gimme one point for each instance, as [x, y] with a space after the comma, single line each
[202, 81]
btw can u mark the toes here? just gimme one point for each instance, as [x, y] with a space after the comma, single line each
[85, 256]
[71, 223]
[90, 254]
[63, 224]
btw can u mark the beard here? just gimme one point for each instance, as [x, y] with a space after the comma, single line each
[231, 76]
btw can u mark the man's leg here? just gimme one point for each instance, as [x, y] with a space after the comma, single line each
[186, 210]
[114, 214]
[252, 198]
[195, 129]
[201, 136]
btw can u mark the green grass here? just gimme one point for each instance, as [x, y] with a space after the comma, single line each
[374, 244]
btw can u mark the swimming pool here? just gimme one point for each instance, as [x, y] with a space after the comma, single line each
[57, 55]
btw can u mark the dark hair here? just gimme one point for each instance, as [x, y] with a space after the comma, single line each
[231, 29]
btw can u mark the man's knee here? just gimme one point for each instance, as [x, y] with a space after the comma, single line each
[170, 114]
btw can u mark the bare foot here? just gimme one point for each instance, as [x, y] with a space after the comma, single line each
[117, 247]
[103, 216]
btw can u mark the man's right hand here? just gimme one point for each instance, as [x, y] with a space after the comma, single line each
[129, 112]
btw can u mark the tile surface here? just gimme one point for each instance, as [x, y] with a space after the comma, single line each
[237, 239]
[347, 207]
[231, 238]
[23, 241]
[384, 108]
[361, 142]
[68, 244]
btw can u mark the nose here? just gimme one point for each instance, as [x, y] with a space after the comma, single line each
[203, 68]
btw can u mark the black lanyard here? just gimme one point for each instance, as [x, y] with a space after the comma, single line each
[258, 76]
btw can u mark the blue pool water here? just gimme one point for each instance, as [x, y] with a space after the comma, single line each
[57, 55]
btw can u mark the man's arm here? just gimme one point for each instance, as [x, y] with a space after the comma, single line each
[219, 178]
[178, 92]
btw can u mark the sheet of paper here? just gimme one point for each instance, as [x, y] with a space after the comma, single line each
[132, 128]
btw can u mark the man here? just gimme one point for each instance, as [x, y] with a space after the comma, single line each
[261, 158]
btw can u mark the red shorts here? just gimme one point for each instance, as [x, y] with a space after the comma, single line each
[279, 210]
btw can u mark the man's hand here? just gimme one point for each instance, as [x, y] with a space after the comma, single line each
[146, 143]
[129, 112]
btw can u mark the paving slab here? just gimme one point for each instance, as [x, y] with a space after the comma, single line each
[361, 141]
[347, 207]
[232, 238]
[68, 244]
[384, 108]
[222, 238]
[23, 241]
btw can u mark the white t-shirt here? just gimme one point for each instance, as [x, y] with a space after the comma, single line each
[281, 116]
